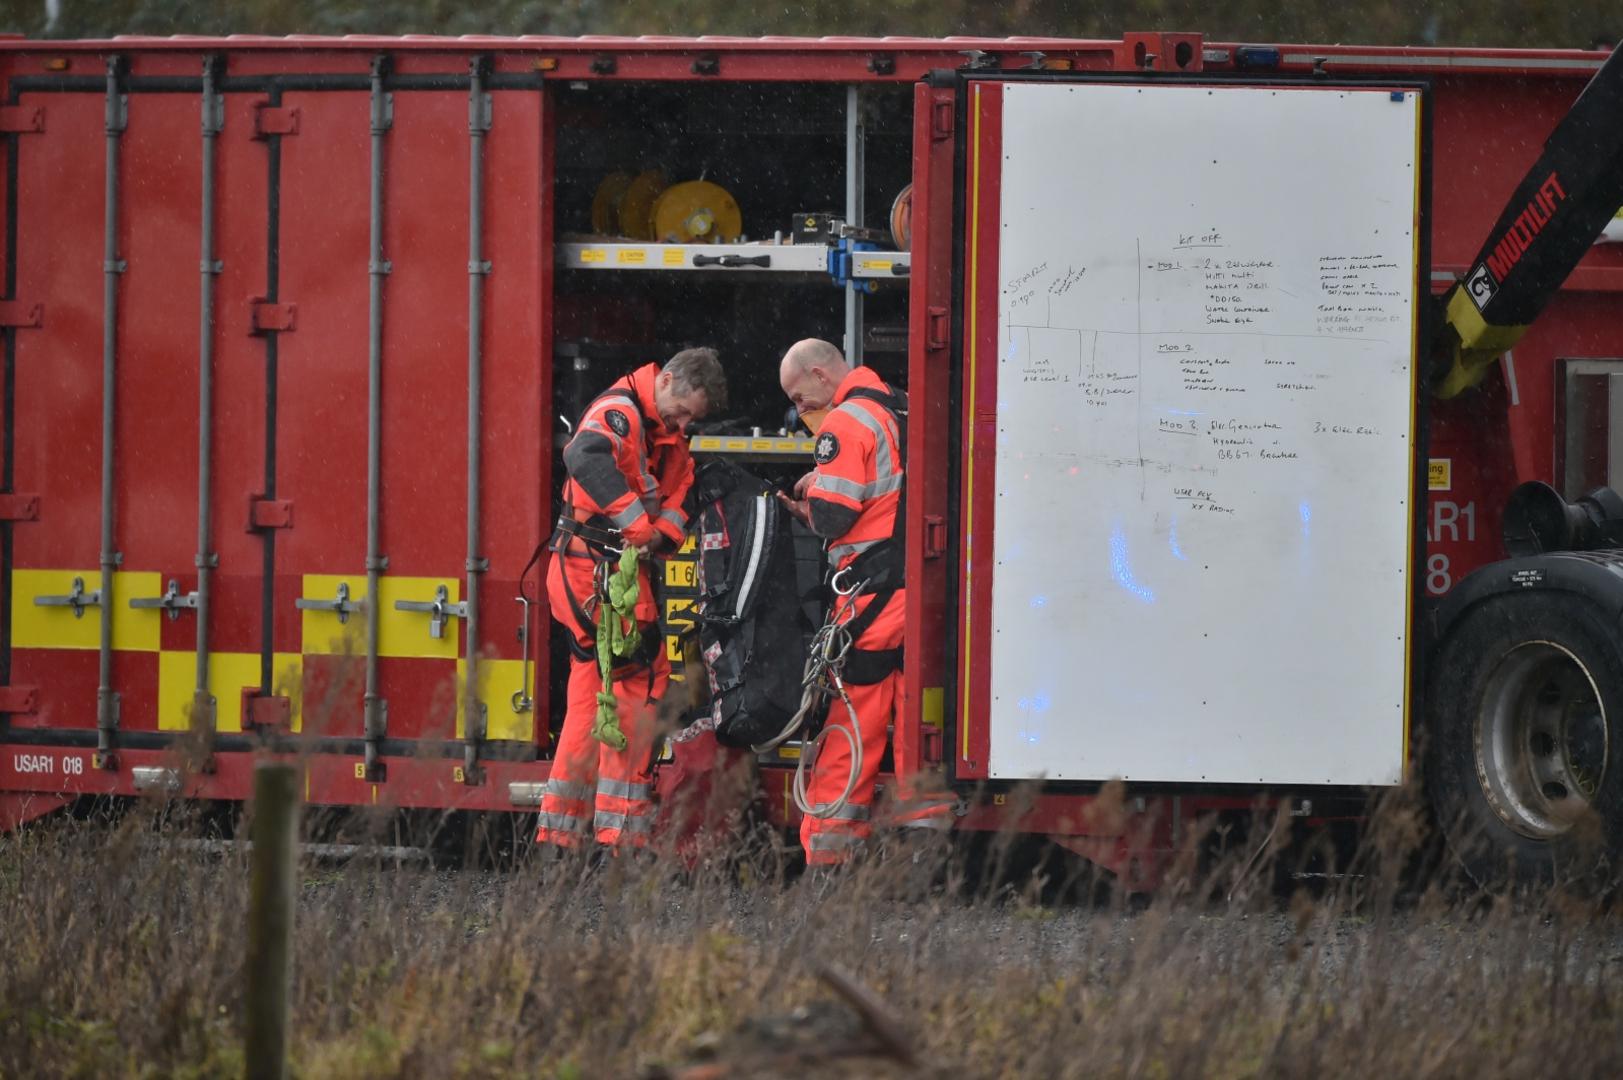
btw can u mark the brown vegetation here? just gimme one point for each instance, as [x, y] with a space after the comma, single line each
[123, 953]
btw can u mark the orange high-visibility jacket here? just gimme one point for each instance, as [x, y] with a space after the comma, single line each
[624, 465]
[859, 471]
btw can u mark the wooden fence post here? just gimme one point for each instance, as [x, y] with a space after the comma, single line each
[270, 919]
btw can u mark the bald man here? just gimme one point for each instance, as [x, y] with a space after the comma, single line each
[853, 499]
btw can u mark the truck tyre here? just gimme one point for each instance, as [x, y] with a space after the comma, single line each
[1524, 754]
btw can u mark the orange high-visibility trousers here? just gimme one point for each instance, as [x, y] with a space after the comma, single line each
[830, 840]
[595, 790]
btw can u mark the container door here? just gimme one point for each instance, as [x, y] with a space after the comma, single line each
[414, 294]
[1190, 506]
[154, 338]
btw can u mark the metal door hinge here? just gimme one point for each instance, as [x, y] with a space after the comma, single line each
[941, 120]
[269, 513]
[341, 604]
[272, 120]
[19, 507]
[22, 119]
[935, 536]
[480, 114]
[271, 318]
[22, 313]
[266, 710]
[438, 609]
[76, 598]
[171, 601]
[938, 328]
[19, 699]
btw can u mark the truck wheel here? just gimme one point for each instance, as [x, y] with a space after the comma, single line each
[1524, 759]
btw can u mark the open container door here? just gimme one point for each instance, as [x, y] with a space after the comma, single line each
[1187, 483]
[415, 239]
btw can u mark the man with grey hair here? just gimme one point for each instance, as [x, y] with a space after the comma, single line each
[630, 475]
[854, 499]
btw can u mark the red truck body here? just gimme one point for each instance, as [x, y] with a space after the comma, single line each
[285, 446]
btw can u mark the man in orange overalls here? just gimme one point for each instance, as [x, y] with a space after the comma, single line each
[853, 498]
[629, 476]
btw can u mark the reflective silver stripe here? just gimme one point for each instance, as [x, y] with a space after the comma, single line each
[885, 485]
[883, 433]
[619, 789]
[840, 551]
[675, 517]
[635, 823]
[568, 789]
[839, 485]
[629, 516]
[832, 841]
[848, 812]
[565, 823]
[757, 544]
[601, 429]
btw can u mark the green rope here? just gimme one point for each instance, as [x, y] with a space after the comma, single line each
[618, 637]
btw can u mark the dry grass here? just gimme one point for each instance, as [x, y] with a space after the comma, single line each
[122, 955]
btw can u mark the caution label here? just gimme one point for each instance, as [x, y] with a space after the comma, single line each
[1440, 474]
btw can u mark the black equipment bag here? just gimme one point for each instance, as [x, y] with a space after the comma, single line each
[753, 631]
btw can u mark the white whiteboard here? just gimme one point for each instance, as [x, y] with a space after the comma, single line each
[1205, 395]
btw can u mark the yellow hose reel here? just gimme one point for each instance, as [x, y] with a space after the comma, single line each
[642, 207]
[697, 212]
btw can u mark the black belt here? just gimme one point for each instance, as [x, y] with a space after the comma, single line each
[600, 537]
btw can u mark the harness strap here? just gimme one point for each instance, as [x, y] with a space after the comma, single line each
[864, 667]
[884, 563]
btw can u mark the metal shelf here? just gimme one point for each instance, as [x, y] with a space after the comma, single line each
[747, 258]
[881, 264]
[753, 447]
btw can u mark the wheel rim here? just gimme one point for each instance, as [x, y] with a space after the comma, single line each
[1541, 740]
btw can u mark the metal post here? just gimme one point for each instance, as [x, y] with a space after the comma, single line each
[213, 121]
[112, 267]
[273, 244]
[376, 713]
[853, 216]
[8, 403]
[270, 920]
[479, 118]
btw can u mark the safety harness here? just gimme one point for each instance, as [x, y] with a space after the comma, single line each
[880, 570]
[632, 649]
[834, 660]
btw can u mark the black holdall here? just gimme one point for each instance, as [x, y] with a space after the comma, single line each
[753, 632]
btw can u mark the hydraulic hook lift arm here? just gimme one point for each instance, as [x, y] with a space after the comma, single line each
[1561, 205]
